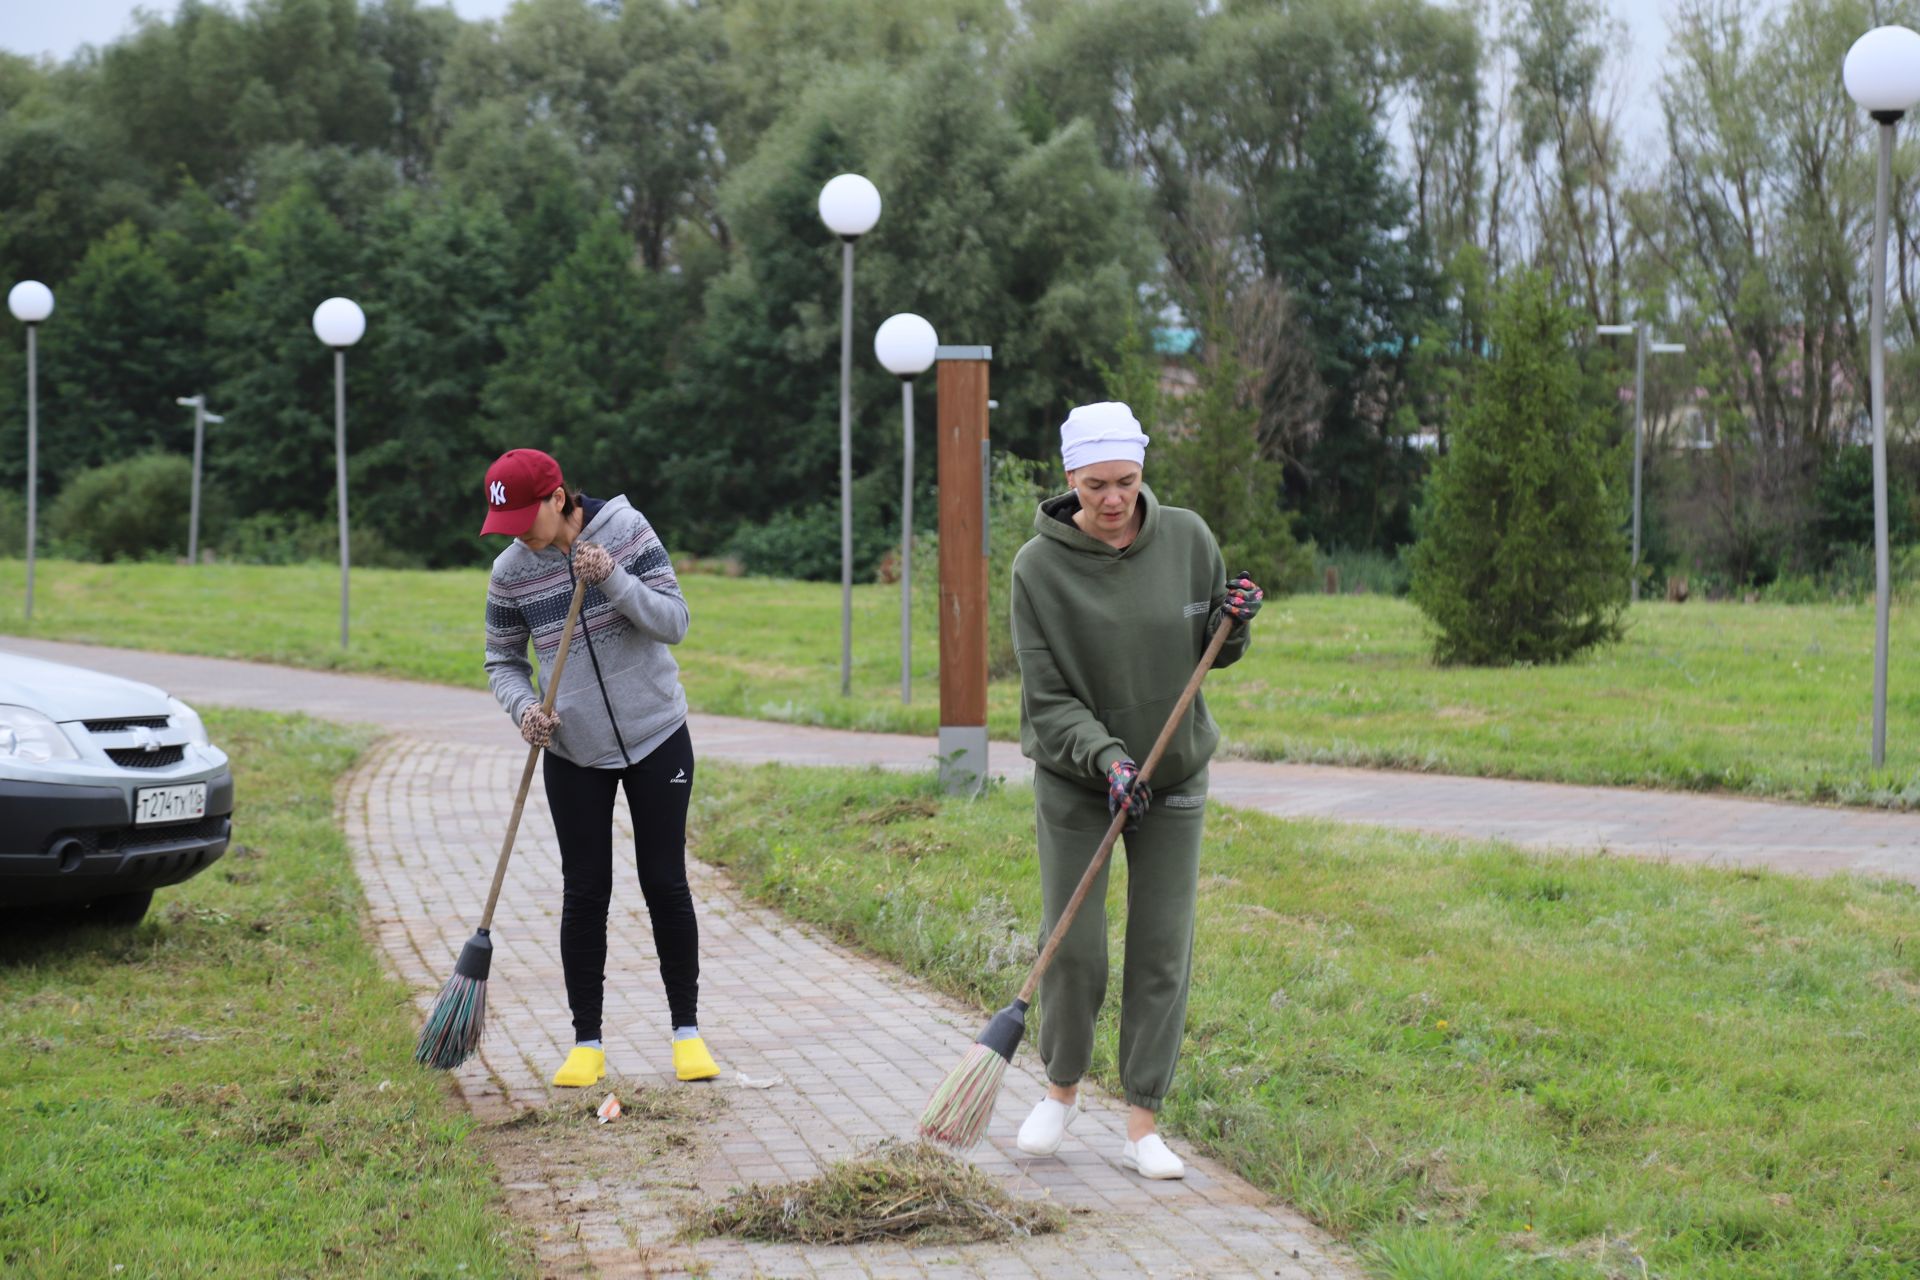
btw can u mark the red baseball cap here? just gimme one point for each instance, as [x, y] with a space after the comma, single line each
[517, 483]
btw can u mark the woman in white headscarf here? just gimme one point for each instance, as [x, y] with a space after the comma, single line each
[1114, 600]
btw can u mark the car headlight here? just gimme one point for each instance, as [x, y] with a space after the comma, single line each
[27, 737]
[184, 717]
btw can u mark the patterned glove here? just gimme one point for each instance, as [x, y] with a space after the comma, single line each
[1243, 599]
[537, 725]
[592, 563]
[1125, 790]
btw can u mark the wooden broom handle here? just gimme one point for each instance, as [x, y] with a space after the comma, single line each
[1120, 819]
[533, 756]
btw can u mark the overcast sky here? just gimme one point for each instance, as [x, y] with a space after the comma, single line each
[58, 27]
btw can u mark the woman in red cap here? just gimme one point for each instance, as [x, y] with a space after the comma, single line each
[619, 721]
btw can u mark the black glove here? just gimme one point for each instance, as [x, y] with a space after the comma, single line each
[1243, 599]
[1126, 791]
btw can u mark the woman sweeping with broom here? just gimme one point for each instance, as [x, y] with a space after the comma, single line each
[619, 722]
[1114, 600]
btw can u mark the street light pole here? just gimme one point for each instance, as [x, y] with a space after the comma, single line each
[1882, 74]
[906, 345]
[1877, 376]
[1640, 348]
[32, 302]
[846, 467]
[198, 403]
[849, 205]
[340, 323]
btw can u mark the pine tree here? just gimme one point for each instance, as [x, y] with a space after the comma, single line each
[1522, 557]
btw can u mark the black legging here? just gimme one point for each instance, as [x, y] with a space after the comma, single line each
[581, 801]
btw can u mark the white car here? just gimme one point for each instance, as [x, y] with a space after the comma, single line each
[109, 789]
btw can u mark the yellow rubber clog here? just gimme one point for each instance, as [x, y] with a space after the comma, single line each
[691, 1061]
[583, 1067]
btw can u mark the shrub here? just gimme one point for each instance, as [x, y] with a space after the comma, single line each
[135, 509]
[291, 537]
[806, 543]
[1843, 505]
[1522, 557]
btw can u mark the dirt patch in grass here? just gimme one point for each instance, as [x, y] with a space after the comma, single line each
[895, 1191]
[560, 1168]
[911, 809]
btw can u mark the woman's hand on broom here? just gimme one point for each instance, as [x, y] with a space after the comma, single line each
[537, 725]
[592, 563]
[1244, 599]
[1126, 791]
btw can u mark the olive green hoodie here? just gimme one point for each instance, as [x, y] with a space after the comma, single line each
[1107, 639]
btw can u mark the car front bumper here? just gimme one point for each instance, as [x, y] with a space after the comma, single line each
[64, 842]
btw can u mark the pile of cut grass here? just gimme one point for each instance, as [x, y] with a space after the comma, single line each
[894, 1191]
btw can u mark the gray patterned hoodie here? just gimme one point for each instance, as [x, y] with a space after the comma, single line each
[620, 695]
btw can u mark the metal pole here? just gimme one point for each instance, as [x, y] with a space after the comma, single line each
[906, 543]
[193, 520]
[340, 472]
[1639, 409]
[33, 457]
[846, 468]
[1881, 571]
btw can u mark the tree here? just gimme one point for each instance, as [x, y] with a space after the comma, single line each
[584, 374]
[1330, 230]
[440, 297]
[1521, 555]
[274, 374]
[122, 358]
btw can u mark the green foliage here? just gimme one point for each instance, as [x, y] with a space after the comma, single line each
[584, 376]
[1208, 458]
[134, 509]
[1843, 497]
[1331, 227]
[1521, 556]
[805, 544]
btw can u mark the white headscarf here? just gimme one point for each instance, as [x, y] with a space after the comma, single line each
[1103, 432]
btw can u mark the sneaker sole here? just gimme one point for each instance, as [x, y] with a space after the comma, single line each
[1128, 1162]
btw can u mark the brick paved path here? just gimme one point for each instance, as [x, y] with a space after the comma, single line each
[855, 1048]
[1652, 824]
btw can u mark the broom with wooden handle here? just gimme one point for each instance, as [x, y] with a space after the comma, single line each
[459, 1013]
[957, 1113]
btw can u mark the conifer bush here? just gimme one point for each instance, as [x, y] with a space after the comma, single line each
[1522, 555]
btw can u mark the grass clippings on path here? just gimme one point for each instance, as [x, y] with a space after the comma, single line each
[896, 1191]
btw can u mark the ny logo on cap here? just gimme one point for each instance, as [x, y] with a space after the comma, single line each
[497, 493]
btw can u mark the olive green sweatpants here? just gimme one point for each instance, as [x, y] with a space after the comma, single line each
[1163, 870]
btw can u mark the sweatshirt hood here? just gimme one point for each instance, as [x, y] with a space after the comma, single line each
[604, 513]
[1053, 520]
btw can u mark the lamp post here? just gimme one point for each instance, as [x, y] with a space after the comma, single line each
[339, 323]
[849, 205]
[198, 403]
[905, 345]
[1640, 348]
[1882, 73]
[31, 302]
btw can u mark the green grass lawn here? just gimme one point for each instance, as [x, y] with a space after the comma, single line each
[226, 1090]
[1472, 1062]
[1766, 699]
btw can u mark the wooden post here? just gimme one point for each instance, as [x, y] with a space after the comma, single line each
[965, 489]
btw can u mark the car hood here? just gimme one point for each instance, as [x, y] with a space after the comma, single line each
[74, 693]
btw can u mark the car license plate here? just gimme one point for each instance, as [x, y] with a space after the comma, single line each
[170, 804]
